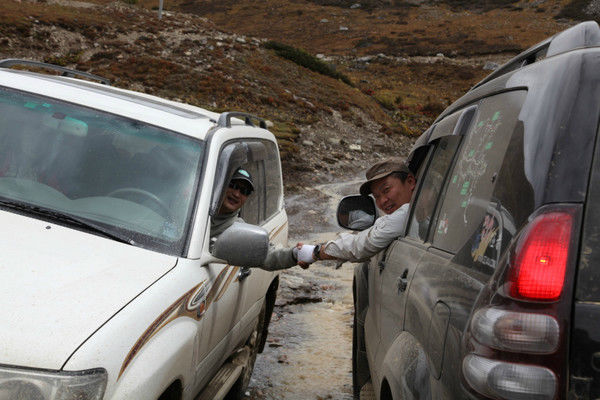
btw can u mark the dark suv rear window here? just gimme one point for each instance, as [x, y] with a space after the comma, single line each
[484, 188]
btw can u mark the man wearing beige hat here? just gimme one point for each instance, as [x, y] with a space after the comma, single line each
[391, 183]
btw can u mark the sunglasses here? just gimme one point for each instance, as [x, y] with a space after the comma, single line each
[243, 188]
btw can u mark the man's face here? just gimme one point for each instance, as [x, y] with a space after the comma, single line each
[234, 197]
[391, 193]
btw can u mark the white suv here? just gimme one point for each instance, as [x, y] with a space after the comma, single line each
[109, 290]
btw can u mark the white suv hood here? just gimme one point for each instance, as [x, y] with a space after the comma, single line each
[59, 285]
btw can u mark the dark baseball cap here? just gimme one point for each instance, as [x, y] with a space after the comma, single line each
[242, 175]
[381, 170]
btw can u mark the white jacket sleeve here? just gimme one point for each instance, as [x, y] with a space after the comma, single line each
[361, 246]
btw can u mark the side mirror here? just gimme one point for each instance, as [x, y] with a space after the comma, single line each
[356, 212]
[242, 245]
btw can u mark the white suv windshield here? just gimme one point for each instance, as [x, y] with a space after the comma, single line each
[102, 172]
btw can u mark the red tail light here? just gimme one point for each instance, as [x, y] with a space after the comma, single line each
[538, 272]
[516, 347]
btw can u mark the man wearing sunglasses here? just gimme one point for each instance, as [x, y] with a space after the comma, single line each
[239, 189]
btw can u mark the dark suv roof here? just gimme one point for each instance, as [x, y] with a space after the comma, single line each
[561, 77]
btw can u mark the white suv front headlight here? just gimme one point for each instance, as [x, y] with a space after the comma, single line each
[30, 384]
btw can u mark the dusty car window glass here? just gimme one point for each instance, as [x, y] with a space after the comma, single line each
[471, 220]
[134, 180]
[424, 206]
[252, 210]
[265, 201]
[274, 193]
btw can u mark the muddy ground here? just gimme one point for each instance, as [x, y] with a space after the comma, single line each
[308, 352]
[309, 347]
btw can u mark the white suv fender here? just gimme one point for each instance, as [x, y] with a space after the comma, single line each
[154, 338]
[161, 362]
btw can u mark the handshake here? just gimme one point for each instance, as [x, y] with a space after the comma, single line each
[306, 254]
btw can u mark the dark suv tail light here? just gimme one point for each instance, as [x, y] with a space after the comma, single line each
[515, 345]
[502, 380]
[515, 331]
[539, 269]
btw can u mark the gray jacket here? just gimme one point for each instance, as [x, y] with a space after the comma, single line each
[277, 257]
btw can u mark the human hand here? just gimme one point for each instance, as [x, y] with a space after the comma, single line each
[305, 255]
[295, 250]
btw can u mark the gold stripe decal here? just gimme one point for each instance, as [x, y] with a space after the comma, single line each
[193, 304]
[230, 277]
[276, 231]
[158, 323]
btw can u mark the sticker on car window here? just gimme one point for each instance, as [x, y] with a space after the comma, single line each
[484, 248]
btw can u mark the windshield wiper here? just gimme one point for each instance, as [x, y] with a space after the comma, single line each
[64, 217]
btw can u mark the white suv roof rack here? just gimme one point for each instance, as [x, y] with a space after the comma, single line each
[225, 119]
[11, 62]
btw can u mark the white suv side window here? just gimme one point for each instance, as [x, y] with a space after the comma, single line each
[266, 200]
[253, 209]
[274, 192]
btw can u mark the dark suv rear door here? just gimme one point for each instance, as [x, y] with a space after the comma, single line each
[471, 225]
[585, 337]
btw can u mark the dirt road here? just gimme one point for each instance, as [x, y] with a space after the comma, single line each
[308, 352]
[309, 348]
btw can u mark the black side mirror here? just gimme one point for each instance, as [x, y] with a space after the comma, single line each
[356, 212]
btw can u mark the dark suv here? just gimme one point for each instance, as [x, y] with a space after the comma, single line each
[494, 291]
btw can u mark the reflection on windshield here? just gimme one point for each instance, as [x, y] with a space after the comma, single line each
[122, 173]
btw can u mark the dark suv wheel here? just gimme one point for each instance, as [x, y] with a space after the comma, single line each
[360, 366]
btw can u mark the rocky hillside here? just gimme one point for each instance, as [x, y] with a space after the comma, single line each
[343, 82]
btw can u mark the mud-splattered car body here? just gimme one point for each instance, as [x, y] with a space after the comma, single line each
[109, 288]
[494, 293]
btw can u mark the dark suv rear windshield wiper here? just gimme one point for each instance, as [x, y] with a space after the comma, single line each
[64, 217]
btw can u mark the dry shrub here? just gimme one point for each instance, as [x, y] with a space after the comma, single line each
[575, 10]
[386, 99]
[481, 5]
[433, 107]
[67, 59]
[287, 135]
[104, 56]
[306, 60]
